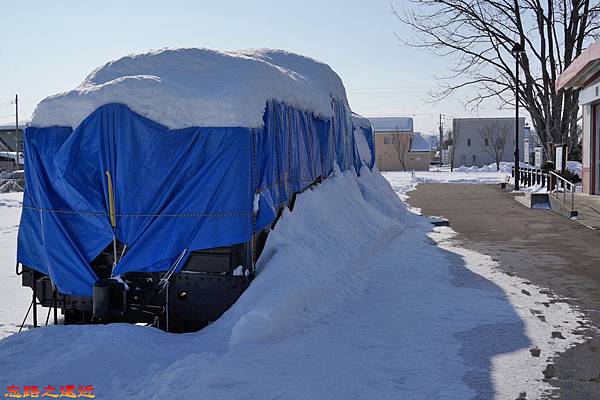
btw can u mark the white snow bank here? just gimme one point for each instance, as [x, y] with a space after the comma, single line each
[184, 87]
[352, 301]
[293, 282]
[533, 189]
[316, 260]
[505, 166]
[398, 177]
[14, 299]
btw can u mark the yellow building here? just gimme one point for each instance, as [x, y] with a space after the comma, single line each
[397, 147]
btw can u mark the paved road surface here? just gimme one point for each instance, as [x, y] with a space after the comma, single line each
[538, 245]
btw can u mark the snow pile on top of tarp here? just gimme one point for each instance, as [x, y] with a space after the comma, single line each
[361, 121]
[198, 87]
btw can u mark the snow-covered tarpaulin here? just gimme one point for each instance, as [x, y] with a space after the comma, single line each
[176, 188]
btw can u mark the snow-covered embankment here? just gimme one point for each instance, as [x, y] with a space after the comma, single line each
[353, 300]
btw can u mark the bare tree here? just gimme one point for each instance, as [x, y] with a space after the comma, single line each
[401, 145]
[494, 139]
[478, 36]
[455, 136]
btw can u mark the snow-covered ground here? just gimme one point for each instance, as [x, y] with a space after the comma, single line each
[398, 179]
[14, 299]
[357, 297]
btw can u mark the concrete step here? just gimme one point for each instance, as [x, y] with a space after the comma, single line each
[534, 200]
[560, 208]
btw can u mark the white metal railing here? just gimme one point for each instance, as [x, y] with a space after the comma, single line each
[528, 177]
[565, 184]
[552, 181]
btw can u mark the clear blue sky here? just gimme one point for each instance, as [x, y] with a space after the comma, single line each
[50, 46]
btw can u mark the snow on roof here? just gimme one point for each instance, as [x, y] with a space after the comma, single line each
[7, 126]
[582, 69]
[184, 87]
[392, 124]
[361, 121]
[418, 143]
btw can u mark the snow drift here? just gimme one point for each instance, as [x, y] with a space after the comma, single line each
[185, 87]
[305, 273]
[353, 300]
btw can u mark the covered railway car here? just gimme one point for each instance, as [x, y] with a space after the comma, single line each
[151, 188]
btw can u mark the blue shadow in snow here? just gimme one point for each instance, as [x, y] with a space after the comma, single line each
[482, 343]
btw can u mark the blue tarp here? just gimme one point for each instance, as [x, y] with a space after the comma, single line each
[190, 188]
[369, 135]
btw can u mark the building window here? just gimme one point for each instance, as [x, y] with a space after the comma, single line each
[474, 159]
[387, 140]
[468, 142]
[487, 142]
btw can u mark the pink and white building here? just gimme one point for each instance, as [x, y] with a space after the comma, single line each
[584, 74]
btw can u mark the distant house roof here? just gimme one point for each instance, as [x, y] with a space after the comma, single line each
[4, 146]
[392, 124]
[10, 125]
[8, 141]
[419, 144]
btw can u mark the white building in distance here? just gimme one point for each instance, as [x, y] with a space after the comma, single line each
[474, 138]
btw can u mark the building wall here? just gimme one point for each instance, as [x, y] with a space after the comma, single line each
[387, 156]
[586, 150]
[589, 99]
[471, 150]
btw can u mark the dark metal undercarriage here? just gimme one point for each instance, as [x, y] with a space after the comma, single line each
[207, 286]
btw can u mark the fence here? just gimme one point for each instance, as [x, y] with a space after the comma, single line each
[551, 181]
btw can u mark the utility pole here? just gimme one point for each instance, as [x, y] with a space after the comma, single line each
[440, 144]
[17, 128]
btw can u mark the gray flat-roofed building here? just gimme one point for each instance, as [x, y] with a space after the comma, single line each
[475, 136]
